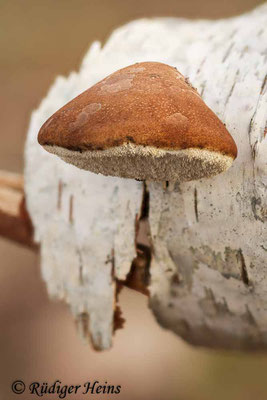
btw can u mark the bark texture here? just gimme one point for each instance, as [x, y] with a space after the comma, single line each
[208, 238]
[210, 261]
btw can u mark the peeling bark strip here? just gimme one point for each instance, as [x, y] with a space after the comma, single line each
[208, 267]
[87, 236]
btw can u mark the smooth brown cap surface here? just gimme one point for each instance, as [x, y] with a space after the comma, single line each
[146, 104]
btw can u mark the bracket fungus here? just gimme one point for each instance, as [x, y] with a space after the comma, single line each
[145, 121]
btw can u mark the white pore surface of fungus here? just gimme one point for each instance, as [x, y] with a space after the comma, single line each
[146, 162]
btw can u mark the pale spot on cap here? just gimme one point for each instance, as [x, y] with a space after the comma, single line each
[119, 86]
[84, 115]
[176, 123]
[137, 69]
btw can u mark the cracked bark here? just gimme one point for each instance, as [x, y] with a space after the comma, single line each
[206, 239]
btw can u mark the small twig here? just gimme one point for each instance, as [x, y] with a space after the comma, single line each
[11, 180]
[15, 223]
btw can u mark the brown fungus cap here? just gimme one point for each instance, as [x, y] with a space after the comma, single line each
[144, 122]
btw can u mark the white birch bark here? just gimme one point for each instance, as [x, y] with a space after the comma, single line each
[85, 224]
[209, 238]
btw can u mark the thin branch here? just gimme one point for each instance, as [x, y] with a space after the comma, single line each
[15, 223]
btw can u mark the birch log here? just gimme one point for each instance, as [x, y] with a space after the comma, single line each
[208, 238]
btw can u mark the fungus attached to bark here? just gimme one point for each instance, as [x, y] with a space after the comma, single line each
[144, 122]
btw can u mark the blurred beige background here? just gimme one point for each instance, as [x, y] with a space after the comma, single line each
[40, 39]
